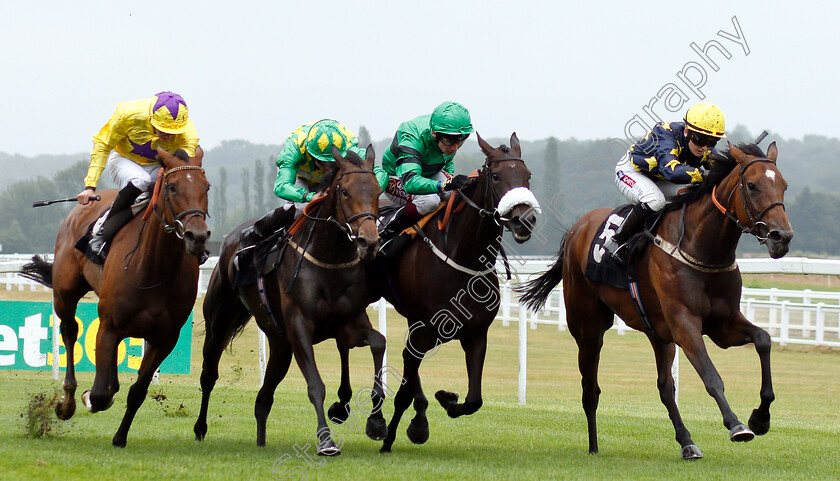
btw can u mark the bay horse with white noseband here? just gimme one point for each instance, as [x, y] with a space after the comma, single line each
[147, 286]
[689, 282]
[445, 284]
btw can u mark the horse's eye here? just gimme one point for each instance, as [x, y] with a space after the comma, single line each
[344, 193]
[750, 186]
[495, 177]
[171, 188]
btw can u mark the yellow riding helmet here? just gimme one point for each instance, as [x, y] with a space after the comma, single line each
[707, 119]
[169, 113]
[323, 135]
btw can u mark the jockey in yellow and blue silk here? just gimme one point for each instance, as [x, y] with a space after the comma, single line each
[672, 154]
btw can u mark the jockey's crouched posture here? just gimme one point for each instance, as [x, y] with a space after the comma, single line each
[672, 153]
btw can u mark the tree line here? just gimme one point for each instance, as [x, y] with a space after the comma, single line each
[569, 178]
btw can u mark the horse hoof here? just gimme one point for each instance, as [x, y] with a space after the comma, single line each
[119, 441]
[376, 429]
[418, 433]
[741, 433]
[446, 398]
[86, 401]
[328, 448]
[65, 411]
[759, 422]
[338, 413]
[691, 452]
[385, 450]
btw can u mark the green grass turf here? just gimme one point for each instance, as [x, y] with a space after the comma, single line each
[544, 439]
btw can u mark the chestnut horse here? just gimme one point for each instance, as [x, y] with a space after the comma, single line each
[689, 282]
[318, 291]
[445, 284]
[146, 288]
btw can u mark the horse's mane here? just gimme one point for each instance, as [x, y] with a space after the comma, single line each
[722, 163]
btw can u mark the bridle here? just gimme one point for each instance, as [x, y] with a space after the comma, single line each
[346, 227]
[180, 220]
[753, 214]
[494, 195]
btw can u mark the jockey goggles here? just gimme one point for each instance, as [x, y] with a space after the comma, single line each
[702, 140]
[451, 139]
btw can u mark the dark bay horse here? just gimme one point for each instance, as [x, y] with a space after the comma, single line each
[317, 292]
[689, 282]
[146, 288]
[445, 284]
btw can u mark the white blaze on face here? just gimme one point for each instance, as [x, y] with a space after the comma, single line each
[189, 177]
[770, 175]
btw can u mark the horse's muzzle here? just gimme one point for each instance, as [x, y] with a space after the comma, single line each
[778, 242]
[196, 240]
[521, 224]
[367, 247]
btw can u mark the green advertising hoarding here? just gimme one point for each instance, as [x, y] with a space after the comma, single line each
[26, 337]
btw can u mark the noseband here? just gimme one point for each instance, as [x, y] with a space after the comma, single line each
[180, 220]
[494, 196]
[346, 227]
[754, 218]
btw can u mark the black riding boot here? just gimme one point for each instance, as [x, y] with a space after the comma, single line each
[117, 217]
[281, 217]
[615, 246]
[402, 219]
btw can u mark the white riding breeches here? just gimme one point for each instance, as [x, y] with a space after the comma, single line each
[426, 203]
[124, 170]
[637, 187]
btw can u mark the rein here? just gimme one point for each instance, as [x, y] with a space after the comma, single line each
[179, 223]
[346, 228]
[676, 251]
[755, 219]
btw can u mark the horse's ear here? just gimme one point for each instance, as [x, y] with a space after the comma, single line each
[772, 151]
[336, 155]
[514, 145]
[485, 147]
[165, 157]
[738, 154]
[370, 157]
[199, 156]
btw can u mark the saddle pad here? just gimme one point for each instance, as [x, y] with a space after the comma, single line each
[259, 259]
[600, 266]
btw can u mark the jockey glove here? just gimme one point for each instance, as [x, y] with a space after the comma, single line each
[456, 182]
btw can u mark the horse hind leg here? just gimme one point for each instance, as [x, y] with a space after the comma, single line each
[664, 354]
[339, 411]
[66, 406]
[587, 324]
[279, 360]
[419, 433]
[224, 315]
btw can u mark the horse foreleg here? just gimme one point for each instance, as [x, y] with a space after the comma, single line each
[304, 355]
[695, 350]
[340, 410]
[737, 333]
[279, 359]
[376, 427]
[402, 400]
[475, 350]
[105, 382]
[152, 358]
[667, 394]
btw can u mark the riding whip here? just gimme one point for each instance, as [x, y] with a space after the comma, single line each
[42, 203]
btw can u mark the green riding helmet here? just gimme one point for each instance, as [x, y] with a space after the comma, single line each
[323, 135]
[451, 118]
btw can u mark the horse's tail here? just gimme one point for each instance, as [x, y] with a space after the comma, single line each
[536, 292]
[38, 270]
[225, 317]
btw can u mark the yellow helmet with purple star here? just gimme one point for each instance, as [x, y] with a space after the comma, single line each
[169, 113]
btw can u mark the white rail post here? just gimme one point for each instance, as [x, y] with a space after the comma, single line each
[262, 350]
[523, 352]
[382, 306]
[820, 334]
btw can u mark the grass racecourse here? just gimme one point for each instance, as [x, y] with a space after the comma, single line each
[544, 439]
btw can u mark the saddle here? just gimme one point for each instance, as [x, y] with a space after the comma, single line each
[601, 267]
[142, 204]
[261, 246]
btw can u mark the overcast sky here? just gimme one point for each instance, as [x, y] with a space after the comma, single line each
[257, 70]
